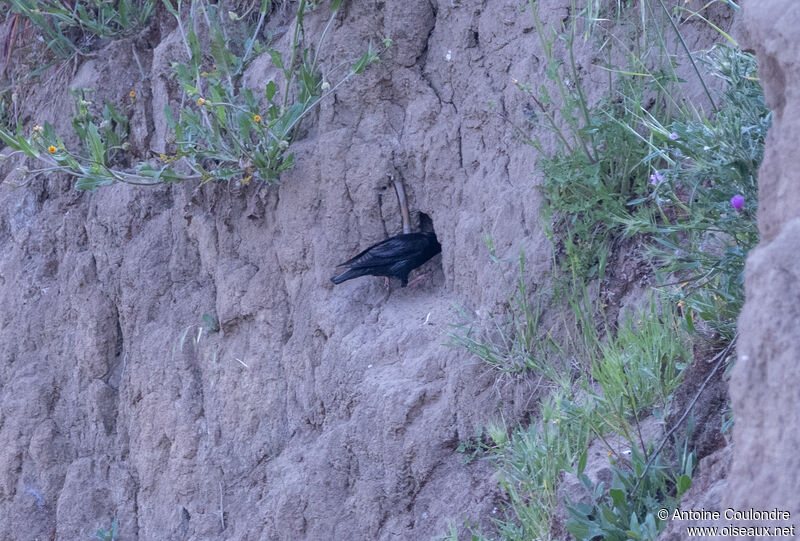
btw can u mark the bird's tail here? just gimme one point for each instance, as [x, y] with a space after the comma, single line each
[346, 275]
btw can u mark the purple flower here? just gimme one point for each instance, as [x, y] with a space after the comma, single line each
[737, 201]
[656, 178]
[673, 136]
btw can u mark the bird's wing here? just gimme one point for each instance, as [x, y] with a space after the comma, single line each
[387, 252]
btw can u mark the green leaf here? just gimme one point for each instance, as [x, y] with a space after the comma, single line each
[287, 163]
[244, 123]
[288, 120]
[170, 8]
[90, 182]
[684, 483]
[363, 62]
[689, 319]
[96, 146]
[194, 46]
[618, 497]
[277, 58]
[19, 143]
[210, 323]
[270, 90]
[582, 461]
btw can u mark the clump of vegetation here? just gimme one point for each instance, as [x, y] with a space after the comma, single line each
[107, 535]
[700, 212]
[681, 180]
[223, 131]
[642, 163]
[530, 460]
[68, 27]
[620, 381]
[516, 343]
[627, 508]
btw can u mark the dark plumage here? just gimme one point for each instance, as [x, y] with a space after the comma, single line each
[395, 256]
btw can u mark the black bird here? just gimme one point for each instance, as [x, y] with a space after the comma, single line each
[395, 256]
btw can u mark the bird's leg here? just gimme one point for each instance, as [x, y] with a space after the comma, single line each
[416, 280]
[386, 282]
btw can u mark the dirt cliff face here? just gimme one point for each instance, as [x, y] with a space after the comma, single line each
[765, 383]
[314, 412]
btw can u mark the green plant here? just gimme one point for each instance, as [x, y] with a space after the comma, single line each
[632, 373]
[597, 188]
[629, 374]
[517, 343]
[599, 162]
[100, 155]
[7, 108]
[530, 461]
[627, 509]
[65, 26]
[583, 326]
[638, 369]
[451, 535]
[227, 133]
[484, 441]
[107, 535]
[697, 234]
[210, 323]
[635, 373]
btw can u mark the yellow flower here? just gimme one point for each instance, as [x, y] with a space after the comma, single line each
[38, 129]
[246, 180]
[201, 101]
[256, 119]
[132, 94]
[51, 149]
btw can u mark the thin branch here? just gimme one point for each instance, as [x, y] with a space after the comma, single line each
[689, 54]
[402, 200]
[720, 358]
[261, 17]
